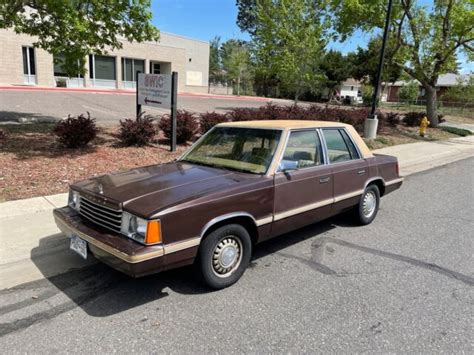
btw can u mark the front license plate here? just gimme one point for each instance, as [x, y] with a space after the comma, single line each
[78, 245]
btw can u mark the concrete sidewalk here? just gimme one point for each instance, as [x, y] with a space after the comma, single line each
[32, 247]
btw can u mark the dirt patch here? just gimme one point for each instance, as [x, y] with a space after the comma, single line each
[33, 164]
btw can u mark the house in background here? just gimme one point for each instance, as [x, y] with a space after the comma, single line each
[351, 88]
[444, 83]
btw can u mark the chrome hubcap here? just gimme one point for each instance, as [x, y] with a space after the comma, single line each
[227, 256]
[369, 203]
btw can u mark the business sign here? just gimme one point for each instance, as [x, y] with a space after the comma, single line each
[154, 90]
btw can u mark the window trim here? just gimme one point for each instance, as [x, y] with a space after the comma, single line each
[287, 138]
[28, 60]
[351, 139]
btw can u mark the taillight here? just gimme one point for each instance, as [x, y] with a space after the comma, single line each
[398, 169]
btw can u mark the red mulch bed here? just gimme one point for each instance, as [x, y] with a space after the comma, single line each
[33, 164]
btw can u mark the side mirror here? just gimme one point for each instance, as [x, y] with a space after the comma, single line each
[288, 165]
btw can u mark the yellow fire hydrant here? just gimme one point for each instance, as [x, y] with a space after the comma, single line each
[423, 125]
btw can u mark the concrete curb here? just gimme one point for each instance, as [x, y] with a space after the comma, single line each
[32, 247]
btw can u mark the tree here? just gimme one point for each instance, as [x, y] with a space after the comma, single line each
[288, 42]
[409, 92]
[215, 65]
[364, 63]
[74, 29]
[246, 16]
[427, 38]
[236, 64]
[336, 69]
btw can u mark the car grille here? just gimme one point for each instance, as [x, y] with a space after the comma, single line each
[103, 216]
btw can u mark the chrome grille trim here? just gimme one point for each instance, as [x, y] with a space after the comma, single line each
[101, 215]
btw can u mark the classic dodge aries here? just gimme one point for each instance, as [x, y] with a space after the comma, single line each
[238, 185]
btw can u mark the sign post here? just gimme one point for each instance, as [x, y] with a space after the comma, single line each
[174, 99]
[159, 90]
[139, 107]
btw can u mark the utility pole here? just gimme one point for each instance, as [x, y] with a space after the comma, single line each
[371, 122]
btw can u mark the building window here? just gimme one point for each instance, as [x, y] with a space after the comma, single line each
[130, 67]
[29, 67]
[155, 68]
[58, 67]
[102, 67]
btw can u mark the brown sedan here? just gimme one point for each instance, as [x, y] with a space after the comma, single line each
[240, 184]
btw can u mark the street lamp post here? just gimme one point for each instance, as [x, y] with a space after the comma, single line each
[371, 122]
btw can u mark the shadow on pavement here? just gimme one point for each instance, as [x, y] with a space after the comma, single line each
[101, 291]
[26, 117]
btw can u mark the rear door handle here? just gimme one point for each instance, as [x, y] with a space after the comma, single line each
[361, 172]
[324, 180]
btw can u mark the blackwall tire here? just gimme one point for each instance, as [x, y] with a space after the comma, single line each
[224, 255]
[368, 206]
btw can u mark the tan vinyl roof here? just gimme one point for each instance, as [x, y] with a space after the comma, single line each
[283, 124]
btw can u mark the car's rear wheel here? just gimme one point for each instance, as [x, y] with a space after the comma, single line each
[368, 206]
[224, 255]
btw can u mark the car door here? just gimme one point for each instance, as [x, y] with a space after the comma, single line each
[304, 195]
[350, 171]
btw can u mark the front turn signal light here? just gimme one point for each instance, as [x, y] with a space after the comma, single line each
[153, 232]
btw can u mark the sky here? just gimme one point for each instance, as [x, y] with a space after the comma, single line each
[205, 19]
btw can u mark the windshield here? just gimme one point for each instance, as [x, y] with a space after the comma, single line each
[243, 149]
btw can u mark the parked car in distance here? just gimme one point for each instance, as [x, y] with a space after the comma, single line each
[238, 185]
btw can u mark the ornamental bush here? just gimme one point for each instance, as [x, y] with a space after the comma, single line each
[210, 119]
[76, 132]
[137, 132]
[187, 126]
[413, 119]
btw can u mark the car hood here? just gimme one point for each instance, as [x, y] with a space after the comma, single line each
[147, 190]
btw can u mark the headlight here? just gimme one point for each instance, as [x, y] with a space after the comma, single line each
[74, 200]
[141, 230]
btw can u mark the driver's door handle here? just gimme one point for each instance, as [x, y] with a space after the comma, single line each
[324, 180]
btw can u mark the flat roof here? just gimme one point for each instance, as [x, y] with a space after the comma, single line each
[283, 124]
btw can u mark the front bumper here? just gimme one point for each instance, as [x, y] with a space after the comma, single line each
[115, 250]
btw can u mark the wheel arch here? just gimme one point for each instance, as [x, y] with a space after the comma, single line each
[245, 219]
[379, 182]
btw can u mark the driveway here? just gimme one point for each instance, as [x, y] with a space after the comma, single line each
[403, 284]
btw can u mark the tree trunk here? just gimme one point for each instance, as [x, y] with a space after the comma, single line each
[431, 105]
[238, 85]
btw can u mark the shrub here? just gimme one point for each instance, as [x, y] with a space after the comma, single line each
[409, 92]
[187, 126]
[458, 131]
[76, 132]
[210, 119]
[390, 118]
[137, 132]
[367, 94]
[413, 119]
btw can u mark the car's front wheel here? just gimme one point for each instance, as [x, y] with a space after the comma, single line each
[368, 206]
[224, 255]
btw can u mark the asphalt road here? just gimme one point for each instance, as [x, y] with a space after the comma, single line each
[107, 108]
[403, 284]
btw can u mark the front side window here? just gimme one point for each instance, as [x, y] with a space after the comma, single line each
[304, 149]
[242, 149]
[340, 147]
